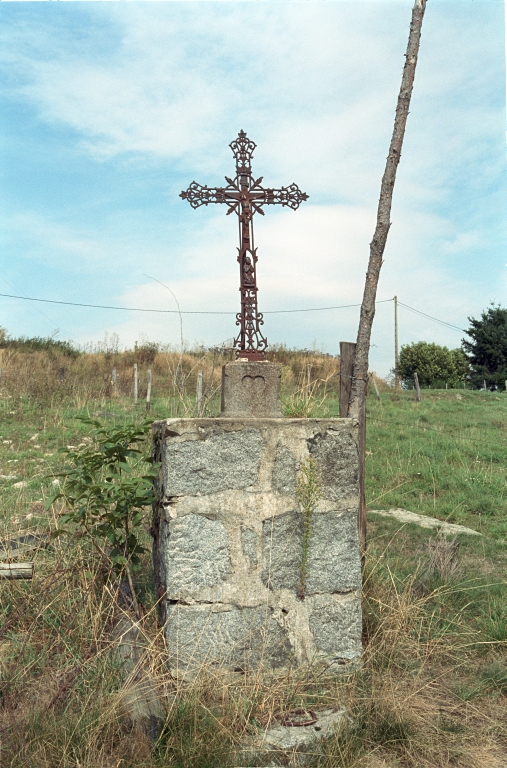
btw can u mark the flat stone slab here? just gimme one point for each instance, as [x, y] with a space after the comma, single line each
[293, 745]
[404, 516]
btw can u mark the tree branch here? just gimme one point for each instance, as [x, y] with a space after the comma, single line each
[360, 376]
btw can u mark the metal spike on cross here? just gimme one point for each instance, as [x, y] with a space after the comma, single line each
[245, 196]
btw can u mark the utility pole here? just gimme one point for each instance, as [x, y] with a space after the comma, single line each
[396, 356]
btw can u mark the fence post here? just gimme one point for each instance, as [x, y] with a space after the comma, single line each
[347, 355]
[375, 385]
[148, 392]
[135, 383]
[199, 394]
[417, 387]
[114, 381]
[179, 379]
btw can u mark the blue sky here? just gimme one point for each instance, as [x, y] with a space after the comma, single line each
[110, 109]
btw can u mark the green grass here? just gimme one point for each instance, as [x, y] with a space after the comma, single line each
[433, 687]
[445, 457]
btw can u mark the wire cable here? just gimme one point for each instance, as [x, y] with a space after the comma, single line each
[175, 311]
[215, 312]
[430, 317]
[450, 434]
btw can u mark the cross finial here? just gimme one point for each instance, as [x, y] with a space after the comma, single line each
[242, 149]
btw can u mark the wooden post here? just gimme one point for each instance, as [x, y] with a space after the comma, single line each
[199, 394]
[16, 570]
[148, 392]
[135, 383]
[347, 355]
[179, 379]
[417, 387]
[308, 378]
[378, 243]
[61, 374]
[396, 354]
[375, 385]
[139, 691]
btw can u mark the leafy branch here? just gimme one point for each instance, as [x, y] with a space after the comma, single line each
[105, 488]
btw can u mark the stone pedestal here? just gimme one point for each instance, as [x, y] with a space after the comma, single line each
[251, 389]
[229, 540]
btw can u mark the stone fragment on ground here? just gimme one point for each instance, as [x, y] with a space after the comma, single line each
[292, 745]
[404, 516]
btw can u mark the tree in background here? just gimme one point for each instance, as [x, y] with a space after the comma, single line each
[435, 366]
[487, 352]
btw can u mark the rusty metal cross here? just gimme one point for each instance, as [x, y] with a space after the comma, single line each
[245, 196]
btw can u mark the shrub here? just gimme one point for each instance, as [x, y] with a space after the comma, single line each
[435, 366]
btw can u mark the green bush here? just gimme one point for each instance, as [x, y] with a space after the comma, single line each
[435, 366]
[37, 344]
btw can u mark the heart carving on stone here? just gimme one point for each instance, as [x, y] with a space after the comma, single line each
[253, 383]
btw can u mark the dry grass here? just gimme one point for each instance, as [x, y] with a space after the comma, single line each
[63, 693]
[52, 378]
[432, 689]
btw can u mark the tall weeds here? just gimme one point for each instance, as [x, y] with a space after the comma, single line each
[63, 692]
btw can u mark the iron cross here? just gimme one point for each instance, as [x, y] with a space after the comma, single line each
[245, 196]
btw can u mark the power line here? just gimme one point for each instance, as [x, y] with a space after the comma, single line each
[214, 312]
[430, 317]
[175, 311]
[317, 309]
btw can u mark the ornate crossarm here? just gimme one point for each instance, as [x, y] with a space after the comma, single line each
[233, 194]
[198, 195]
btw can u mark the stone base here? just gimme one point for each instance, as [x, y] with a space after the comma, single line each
[228, 543]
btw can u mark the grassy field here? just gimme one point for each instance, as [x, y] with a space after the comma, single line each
[432, 690]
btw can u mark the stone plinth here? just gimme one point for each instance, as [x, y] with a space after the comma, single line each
[251, 389]
[228, 543]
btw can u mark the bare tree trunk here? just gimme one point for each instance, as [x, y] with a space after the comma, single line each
[377, 246]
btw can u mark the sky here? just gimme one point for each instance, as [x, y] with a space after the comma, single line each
[110, 109]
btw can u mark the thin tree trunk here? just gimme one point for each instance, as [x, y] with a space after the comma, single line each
[359, 382]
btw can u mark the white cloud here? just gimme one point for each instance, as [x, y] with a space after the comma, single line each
[315, 85]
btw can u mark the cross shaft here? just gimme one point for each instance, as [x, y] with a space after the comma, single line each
[245, 196]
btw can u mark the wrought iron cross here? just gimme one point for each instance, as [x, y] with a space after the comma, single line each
[245, 196]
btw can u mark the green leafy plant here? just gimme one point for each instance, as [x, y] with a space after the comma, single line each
[435, 366]
[308, 492]
[106, 488]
